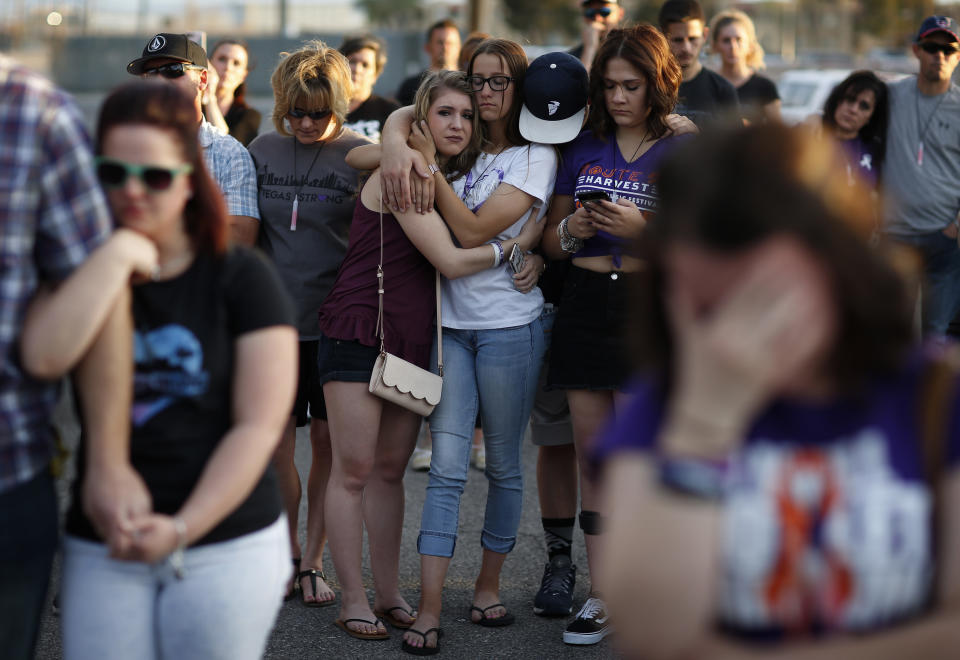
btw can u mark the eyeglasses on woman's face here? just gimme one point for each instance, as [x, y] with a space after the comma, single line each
[497, 83]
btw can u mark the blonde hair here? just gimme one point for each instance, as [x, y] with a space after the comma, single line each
[754, 49]
[317, 74]
[430, 88]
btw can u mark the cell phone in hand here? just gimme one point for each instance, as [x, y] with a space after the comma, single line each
[592, 196]
[516, 258]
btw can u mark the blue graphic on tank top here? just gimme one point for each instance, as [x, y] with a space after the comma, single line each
[168, 366]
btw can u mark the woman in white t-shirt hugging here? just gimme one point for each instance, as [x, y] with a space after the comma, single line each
[492, 340]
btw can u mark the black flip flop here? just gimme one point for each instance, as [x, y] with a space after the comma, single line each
[313, 574]
[491, 622]
[422, 650]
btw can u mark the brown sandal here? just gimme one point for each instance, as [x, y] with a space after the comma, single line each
[342, 624]
[387, 616]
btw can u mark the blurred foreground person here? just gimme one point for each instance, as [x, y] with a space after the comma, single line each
[770, 480]
[52, 216]
[214, 366]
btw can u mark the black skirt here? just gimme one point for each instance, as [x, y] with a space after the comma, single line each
[588, 349]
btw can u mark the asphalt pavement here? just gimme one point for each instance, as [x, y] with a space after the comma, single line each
[302, 632]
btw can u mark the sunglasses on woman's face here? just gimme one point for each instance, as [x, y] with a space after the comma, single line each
[593, 13]
[114, 173]
[170, 71]
[934, 48]
[316, 115]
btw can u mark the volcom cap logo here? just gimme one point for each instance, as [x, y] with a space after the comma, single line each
[943, 22]
[552, 107]
[157, 43]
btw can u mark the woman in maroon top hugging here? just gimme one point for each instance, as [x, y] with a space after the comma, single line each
[371, 438]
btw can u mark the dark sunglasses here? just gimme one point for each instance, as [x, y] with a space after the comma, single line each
[170, 71]
[863, 106]
[946, 49]
[497, 83]
[316, 115]
[113, 173]
[593, 13]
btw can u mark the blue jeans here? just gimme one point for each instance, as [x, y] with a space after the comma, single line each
[940, 300]
[495, 371]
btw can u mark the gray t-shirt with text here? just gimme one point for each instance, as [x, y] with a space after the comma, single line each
[309, 256]
[922, 189]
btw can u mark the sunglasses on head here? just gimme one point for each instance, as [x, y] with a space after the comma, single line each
[170, 71]
[593, 13]
[497, 83]
[114, 173]
[934, 48]
[316, 115]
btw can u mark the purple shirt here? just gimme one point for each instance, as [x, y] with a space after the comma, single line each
[590, 164]
[843, 482]
[409, 299]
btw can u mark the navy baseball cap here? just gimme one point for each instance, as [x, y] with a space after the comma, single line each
[555, 92]
[169, 46]
[933, 24]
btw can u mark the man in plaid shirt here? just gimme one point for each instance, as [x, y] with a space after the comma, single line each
[52, 216]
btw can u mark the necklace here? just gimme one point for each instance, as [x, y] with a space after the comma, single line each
[626, 162]
[470, 183]
[921, 133]
[296, 195]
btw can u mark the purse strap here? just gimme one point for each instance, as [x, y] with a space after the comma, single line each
[380, 295]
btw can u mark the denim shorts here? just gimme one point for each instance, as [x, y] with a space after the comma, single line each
[345, 360]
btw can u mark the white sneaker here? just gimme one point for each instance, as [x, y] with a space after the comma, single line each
[591, 625]
[420, 461]
[478, 456]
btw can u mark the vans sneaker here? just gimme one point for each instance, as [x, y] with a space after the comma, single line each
[591, 624]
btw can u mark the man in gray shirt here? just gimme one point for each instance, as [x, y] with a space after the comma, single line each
[922, 168]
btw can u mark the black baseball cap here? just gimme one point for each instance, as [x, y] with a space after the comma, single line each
[555, 92]
[934, 24]
[169, 46]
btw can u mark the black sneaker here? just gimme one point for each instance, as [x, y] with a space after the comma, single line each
[591, 624]
[555, 597]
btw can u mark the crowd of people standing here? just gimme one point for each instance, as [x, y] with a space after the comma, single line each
[700, 314]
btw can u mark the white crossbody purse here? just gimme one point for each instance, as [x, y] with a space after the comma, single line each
[393, 378]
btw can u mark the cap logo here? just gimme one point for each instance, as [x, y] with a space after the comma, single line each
[158, 43]
[943, 22]
[552, 107]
